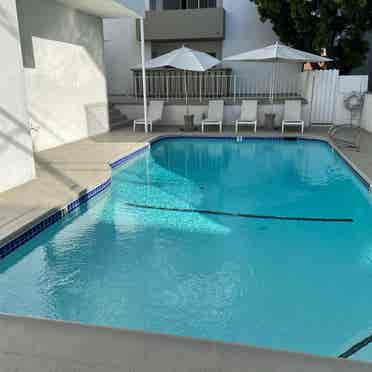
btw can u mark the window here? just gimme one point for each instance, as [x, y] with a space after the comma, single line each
[208, 3]
[171, 4]
[189, 4]
[152, 4]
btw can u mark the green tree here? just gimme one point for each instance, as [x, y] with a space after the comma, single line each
[337, 25]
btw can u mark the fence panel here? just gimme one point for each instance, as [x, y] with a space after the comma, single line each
[323, 96]
[222, 83]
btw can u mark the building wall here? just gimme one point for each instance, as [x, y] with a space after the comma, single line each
[244, 32]
[64, 69]
[348, 84]
[122, 52]
[366, 120]
[214, 47]
[16, 154]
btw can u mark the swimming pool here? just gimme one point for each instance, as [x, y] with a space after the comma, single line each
[139, 256]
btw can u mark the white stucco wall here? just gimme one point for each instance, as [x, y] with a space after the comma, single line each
[122, 52]
[366, 120]
[348, 84]
[16, 155]
[244, 32]
[64, 70]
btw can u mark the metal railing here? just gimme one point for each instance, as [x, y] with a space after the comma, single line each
[201, 86]
[197, 4]
[188, 4]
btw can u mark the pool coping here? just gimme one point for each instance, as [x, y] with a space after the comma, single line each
[25, 233]
[76, 343]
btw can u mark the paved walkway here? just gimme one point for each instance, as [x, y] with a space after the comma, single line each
[67, 171]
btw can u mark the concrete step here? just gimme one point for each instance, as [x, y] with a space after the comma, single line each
[115, 111]
[117, 118]
[120, 123]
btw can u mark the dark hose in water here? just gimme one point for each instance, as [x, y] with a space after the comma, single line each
[241, 215]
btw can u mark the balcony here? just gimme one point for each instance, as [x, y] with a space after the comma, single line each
[184, 24]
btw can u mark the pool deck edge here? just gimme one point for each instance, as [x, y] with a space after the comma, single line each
[34, 344]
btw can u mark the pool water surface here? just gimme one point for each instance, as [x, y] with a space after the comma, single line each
[291, 284]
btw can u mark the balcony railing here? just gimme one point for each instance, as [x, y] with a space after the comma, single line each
[185, 4]
[170, 85]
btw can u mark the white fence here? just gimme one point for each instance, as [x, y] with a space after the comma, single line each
[326, 91]
[208, 86]
[324, 94]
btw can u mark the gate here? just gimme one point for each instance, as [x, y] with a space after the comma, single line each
[323, 96]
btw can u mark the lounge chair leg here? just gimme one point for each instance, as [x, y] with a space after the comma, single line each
[221, 128]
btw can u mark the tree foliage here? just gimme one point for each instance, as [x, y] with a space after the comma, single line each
[339, 26]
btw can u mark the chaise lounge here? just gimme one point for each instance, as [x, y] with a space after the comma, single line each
[155, 114]
[215, 115]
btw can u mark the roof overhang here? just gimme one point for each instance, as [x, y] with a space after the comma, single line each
[102, 8]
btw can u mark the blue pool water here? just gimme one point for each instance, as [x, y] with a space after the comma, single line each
[295, 285]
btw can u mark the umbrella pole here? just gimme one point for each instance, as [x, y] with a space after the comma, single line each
[273, 85]
[186, 94]
[143, 74]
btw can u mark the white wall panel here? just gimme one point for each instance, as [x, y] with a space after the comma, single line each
[16, 154]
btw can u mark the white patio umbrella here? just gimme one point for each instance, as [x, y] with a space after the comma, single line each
[185, 59]
[276, 53]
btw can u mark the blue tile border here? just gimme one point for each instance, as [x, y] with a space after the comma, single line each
[88, 195]
[30, 233]
[117, 163]
[364, 179]
[27, 235]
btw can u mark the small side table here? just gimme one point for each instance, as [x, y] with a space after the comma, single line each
[270, 121]
[189, 123]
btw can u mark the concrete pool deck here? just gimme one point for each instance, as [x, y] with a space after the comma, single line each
[63, 174]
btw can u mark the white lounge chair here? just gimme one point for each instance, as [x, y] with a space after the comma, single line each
[248, 115]
[155, 114]
[292, 115]
[215, 115]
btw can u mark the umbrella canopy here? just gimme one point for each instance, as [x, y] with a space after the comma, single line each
[277, 53]
[184, 59]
